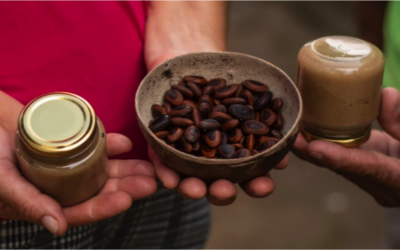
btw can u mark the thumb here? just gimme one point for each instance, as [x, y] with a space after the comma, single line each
[389, 117]
[154, 62]
[25, 202]
[355, 162]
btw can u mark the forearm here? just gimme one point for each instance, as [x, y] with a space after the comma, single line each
[183, 27]
[9, 112]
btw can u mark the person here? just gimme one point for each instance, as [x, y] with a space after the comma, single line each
[101, 51]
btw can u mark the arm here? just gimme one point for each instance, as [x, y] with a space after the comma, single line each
[176, 28]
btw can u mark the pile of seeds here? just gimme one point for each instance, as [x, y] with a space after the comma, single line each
[215, 120]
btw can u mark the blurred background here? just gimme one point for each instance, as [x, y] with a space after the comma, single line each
[311, 207]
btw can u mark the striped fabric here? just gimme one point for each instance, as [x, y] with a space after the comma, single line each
[164, 220]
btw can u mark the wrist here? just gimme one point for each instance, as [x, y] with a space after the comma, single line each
[176, 28]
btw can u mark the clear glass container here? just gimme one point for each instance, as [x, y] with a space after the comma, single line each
[340, 81]
[61, 147]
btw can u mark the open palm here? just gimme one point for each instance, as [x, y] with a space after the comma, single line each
[221, 192]
[128, 180]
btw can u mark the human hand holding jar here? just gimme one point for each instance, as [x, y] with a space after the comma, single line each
[375, 165]
[340, 80]
[114, 186]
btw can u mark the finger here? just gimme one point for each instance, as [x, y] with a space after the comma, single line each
[192, 188]
[378, 141]
[28, 203]
[389, 117]
[169, 177]
[221, 193]
[115, 197]
[283, 163]
[138, 186]
[123, 168]
[117, 144]
[356, 162]
[99, 208]
[300, 149]
[259, 187]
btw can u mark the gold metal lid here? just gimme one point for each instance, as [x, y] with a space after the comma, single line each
[57, 124]
[341, 48]
[347, 143]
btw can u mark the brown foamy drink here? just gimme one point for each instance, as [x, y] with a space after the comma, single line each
[340, 81]
[61, 147]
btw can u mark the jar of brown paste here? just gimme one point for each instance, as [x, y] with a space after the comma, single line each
[340, 81]
[61, 147]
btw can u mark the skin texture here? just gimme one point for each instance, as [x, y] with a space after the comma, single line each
[173, 29]
[375, 165]
[168, 36]
[128, 180]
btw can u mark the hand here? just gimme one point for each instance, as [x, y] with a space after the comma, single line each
[221, 192]
[375, 165]
[19, 200]
[173, 29]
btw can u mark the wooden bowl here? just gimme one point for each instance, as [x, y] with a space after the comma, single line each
[235, 68]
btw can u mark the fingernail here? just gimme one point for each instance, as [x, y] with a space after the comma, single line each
[50, 224]
[316, 155]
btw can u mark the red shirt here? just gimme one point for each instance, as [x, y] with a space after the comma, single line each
[93, 49]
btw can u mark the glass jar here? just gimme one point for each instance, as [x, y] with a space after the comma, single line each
[61, 147]
[340, 81]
